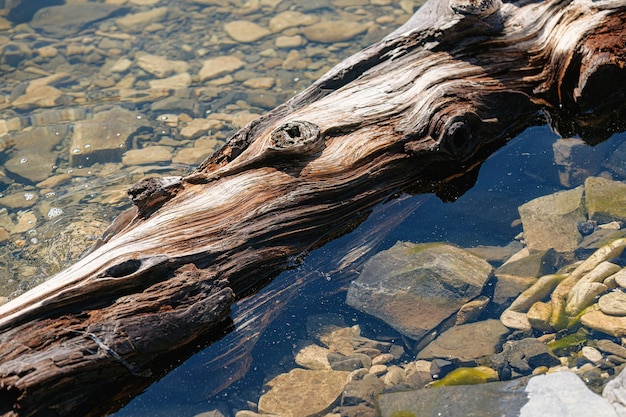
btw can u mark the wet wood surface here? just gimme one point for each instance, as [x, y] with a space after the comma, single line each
[416, 112]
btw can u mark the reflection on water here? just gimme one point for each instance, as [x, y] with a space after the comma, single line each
[97, 95]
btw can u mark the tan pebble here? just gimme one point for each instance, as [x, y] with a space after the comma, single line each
[358, 374]
[394, 376]
[245, 31]
[263, 83]
[289, 41]
[592, 354]
[540, 370]
[382, 359]
[378, 370]
[613, 303]
[48, 51]
[219, 66]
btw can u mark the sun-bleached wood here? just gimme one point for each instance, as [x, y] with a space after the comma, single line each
[416, 112]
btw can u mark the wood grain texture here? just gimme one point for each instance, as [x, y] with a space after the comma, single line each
[415, 112]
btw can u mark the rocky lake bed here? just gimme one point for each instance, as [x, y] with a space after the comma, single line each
[96, 95]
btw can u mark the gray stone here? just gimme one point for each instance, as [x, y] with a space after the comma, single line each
[69, 19]
[415, 287]
[525, 355]
[560, 394]
[362, 391]
[466, 342]
[551, 221]
[605, 199]
[612, 348]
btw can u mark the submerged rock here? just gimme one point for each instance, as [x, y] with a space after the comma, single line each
[551, 221]
[605, 199]
[68, 19]
[303, 393]
[415, 287]
[455, 343]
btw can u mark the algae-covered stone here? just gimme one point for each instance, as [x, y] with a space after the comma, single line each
[466, 376]
[303, 393]
[552, 221]
[605, 199]
[414, 287]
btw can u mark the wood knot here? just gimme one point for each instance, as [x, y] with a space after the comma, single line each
[478, 8]
[296, 137]
[151, 193]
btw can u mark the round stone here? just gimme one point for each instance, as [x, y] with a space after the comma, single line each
[613, 303]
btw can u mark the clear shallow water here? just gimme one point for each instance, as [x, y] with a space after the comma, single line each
[485, 215]
[91, 195]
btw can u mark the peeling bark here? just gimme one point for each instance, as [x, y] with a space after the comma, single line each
[416, 112]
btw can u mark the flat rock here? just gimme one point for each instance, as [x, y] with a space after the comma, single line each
[466, 342]
[245, 31]
[104, 137]
[303, 393]
[217, 67]
[69, 19]
[148, 155]
[175, 82]
[18, 200]
[414, 287]
[313, 357]
[289, 19]
[615, 393]
[560, 394]
[551, 221]
[597, 320]
[32, 158]
[38, 96]
[605, 199]
[613, 303]
[138, 21]
[160, 66]
[333, 31]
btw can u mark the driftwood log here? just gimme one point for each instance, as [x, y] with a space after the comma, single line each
[416, 112]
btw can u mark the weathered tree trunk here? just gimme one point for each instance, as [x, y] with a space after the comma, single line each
[412, 113]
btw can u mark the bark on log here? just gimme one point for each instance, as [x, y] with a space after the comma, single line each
[413, 113]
